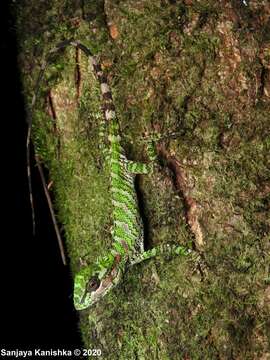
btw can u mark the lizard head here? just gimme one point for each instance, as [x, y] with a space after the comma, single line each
[91, 284]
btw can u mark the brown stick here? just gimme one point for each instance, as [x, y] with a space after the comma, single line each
[49, 201]
[28, 140]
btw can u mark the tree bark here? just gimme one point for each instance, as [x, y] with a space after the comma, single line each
[197, 72]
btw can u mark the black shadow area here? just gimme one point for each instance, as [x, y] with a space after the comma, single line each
[35, 289]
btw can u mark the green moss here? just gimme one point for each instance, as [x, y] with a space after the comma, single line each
[164, 68]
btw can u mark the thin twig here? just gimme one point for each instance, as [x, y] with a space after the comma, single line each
[49, 201]
[28, 143]
[30, 188]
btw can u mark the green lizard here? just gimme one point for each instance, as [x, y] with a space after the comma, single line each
[93, 282]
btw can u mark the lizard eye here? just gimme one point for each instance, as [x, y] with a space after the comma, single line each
[93, 284]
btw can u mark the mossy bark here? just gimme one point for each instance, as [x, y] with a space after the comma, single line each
[198, 72]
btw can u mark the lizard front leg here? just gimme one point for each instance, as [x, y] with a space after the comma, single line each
[164, 250]
[144, 168]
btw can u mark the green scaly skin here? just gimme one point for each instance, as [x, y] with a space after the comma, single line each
[93, 282]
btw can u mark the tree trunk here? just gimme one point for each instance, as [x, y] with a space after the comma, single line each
[197, 72]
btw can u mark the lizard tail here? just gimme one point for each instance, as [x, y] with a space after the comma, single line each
[107, 100]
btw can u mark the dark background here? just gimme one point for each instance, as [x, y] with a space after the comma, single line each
[36, 289]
